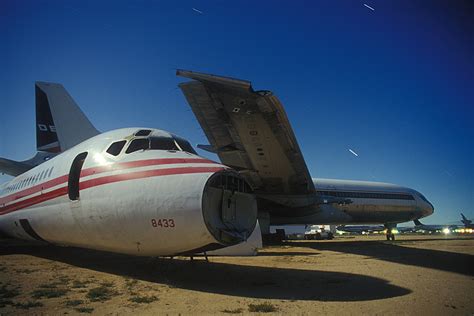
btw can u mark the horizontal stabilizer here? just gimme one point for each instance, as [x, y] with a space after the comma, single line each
[13, 168]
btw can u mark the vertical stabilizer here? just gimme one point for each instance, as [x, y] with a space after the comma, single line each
[46, 137]
[464, 220]
[60, 123]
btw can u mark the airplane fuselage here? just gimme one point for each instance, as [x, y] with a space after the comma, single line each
[147, 202]
[369, 203]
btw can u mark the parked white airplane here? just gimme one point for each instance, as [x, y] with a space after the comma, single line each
[433, 228]
[250, 132]
[137, 191]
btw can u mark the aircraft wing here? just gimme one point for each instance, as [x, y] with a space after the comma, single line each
[250, 132]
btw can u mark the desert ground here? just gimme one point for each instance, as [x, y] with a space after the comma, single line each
[422, 275]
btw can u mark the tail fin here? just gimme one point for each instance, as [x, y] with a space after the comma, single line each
[60, 123]
[465, 220]
[417, 222]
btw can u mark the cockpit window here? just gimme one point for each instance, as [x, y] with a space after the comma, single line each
[116, 148]
[155, 142]
[143, 132]
[185, 145]
[163, 143]
[137, 144]
[423, 197]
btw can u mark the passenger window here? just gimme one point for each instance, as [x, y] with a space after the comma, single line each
[138, 144]
[163, 143]
[116, 148]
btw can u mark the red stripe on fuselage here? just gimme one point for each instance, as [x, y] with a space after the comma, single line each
[34, 189]
[106, 180]
[145, 174]
[34, 200]
[96, 170]
[142, 163]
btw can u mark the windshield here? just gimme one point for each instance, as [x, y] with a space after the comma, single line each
[160, 143]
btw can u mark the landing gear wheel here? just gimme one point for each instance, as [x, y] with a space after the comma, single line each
[389, 231]
[390, 236]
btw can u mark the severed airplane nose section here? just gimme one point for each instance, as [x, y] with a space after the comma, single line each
[229, 207]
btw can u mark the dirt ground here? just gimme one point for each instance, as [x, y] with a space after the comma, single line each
[424, 275]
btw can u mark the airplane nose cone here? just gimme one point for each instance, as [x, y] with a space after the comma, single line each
[427, 209]
[430, 209]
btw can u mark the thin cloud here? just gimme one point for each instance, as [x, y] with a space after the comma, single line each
[368, 6]
[198, 11]
[353, 152]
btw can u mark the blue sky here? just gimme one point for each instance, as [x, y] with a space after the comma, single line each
[394, 84]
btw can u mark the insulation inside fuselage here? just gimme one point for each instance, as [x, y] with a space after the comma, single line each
[229, 208]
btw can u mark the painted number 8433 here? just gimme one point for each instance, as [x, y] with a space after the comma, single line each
[165, 223]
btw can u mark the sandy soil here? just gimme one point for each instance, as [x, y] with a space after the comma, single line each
[424, 275]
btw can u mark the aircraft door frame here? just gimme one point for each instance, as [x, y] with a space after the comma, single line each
[73, 189]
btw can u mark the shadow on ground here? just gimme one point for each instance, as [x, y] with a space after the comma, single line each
[286, 253]
[222, 278]
[396, 252]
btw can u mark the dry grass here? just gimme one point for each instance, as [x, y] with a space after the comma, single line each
[48, 293]
[101, 293]
[265, 307]
[143, 299]
[73, 302]
[28, 305]
[86, 310]
[76, 284]
[233, 311]
[8, 293]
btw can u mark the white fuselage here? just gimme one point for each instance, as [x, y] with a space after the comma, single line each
[148, 202]
[369, 203]
[375, 202]
[165, 202]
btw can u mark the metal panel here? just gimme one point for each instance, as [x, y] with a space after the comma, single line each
[249, 131]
